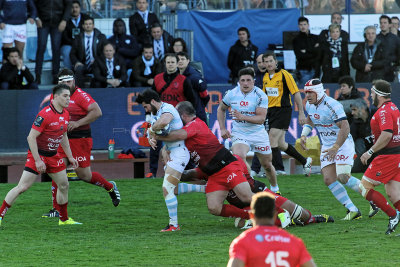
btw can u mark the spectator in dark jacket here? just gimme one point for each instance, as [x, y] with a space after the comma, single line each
[178, 45]
[161, 40]
[13, 22]
[125, 45]
[368, 58]
[14, 71]
[334, 57]
[391, 47]
[86, 47]
[259, 72]
[336, 18]
[348, 95]
[141, 22]
[306, 48]
[145, 68]
[394, 26]
[73, 29]
[241, 54]
[53, 16]
[199, 85]
[109, 70]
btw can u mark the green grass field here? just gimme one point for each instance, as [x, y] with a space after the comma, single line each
[129, 235]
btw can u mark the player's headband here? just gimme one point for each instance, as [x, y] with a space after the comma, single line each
[380, 93]
[65, 78]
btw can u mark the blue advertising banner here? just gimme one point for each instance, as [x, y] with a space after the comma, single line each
[216, 32]
[121, 115]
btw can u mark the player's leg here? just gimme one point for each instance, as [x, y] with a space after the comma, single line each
[266, 163]
[367, 186]
[338, 191]
[274, 135]
[216, 206]
[26, 181]
[184, 188]
[240, 147]
[393, 192]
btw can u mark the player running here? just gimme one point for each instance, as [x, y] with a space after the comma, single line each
[49, 130]
[384, 168]
[165, 115]
[249, 105]
[337, 151]
[83, 110]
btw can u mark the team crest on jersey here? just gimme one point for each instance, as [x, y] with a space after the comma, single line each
[378, 174]
[316, 116]
[38, 121]
[61, 119]
[62, 127]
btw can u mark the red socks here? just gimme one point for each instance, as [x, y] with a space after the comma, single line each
[99, 180]
[397, 205]
[232, 211]
[54, 195]
[63, 211]
[4, 208]
[381, 202]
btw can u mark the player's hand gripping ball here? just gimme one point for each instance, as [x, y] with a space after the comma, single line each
[165, 131]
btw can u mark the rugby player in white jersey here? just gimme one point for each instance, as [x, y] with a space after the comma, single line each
[249, 105]
[337, 151]
[165, 115]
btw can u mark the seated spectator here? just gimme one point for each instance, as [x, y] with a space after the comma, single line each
[125, 45]
[348, 95]
[199, 85]
[141, 21]
[171, 6]
[360, 130]
[145, 68]
[73, 29]
[161, 40]
[242, 53]
[336, 18]
[14, 71]
[394, 26]
[178, 45]
[86, 47]
[109, 69]
[334, 56]
[391, 48]
[368, 59]
[306, 48]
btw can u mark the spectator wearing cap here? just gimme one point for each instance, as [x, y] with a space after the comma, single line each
[391, 48]
[368, 58]
[241, 54]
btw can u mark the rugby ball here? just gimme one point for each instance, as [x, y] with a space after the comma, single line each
[165, 131]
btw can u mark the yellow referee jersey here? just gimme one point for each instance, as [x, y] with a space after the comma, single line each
[279, 88]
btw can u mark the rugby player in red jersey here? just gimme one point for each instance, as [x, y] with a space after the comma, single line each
[266, 244]
[385, 167]
[83, 110]
[48, 131]
[223, 170]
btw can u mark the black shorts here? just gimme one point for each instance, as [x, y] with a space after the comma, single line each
[279, 118]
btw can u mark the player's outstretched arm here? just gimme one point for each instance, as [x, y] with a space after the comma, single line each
[33, 134]
[175, 135]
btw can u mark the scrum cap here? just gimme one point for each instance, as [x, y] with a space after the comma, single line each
[315, 86]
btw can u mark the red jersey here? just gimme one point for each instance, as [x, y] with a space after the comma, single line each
[52, 125]
[205, 149]
[387, 118]
[269, 246]
[78, 108]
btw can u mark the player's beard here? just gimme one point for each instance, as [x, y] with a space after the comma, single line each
[375, 100]
[153, 109]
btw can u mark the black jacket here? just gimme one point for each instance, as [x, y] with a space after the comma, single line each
[239, 56]
[78, 47]
[138, 71]
[125, 45]
[309, 59]
[331, 75]
[167, 42]
[52, 12]
[323, 36]
[100, 70]
[140, 30]
[9, 73]
[360, 58]
[71, 31]
[391, 52]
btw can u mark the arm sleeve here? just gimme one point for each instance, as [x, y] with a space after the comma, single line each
[40, 123]
[385, 120]
[226, 99]
[291, 84]
[238, 249]
[67, 9]
[304, 254]
[32, 11]
[188, 92]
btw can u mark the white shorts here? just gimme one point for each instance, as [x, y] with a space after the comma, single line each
[179, 158]
[258, 143]
[344, 156]
[13, 33]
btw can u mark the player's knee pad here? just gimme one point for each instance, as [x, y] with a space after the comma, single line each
[296, 214]
[343, 171]
[365, 186]
[169, 187]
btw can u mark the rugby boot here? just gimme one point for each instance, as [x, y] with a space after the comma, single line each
[171, 228]
[69, 221]
[114, 194]
[373, 209]
[393, 222]
[323, 218]
[51, 214]
[352, 215]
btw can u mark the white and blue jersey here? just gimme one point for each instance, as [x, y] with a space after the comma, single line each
[175, 124]
[246, 104]
[324, 116]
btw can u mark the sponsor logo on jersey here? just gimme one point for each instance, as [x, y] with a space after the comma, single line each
[378, 174]
[85, 95]
[61, 119]
[54, 123]
[382, 115]
[244, 103]
[328, 133]
[341, 157]
[316, 116]
[231, 177]
[261, 148]
[80, 158]
[60, 162]
[38, 121]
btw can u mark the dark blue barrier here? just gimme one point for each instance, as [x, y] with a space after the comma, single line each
[121, 115]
